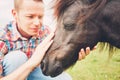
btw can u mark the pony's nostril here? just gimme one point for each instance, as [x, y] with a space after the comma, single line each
[42, 65]
[58, 70]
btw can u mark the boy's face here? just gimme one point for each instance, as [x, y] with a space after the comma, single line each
[29, 17]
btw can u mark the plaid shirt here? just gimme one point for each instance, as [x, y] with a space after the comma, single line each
[10, 40]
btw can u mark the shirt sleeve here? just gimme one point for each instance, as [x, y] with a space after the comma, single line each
[3, 51]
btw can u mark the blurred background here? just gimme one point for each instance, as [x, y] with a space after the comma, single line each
[6, 15]
[96, 66]
[5, 11]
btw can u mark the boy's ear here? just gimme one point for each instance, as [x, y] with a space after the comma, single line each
[14, 13]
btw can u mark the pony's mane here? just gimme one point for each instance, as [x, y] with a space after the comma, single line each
[61, 6]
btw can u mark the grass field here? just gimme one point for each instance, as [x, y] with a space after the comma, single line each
[97, 66]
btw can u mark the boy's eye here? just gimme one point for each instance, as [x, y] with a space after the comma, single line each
[40, 17]
[29, 16]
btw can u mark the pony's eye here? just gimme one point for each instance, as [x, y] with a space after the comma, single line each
[92, 1]
[88, 1]
[69, 27]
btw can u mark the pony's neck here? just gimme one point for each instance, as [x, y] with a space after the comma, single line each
[111, 36]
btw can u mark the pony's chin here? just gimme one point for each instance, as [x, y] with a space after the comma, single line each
[51, 75]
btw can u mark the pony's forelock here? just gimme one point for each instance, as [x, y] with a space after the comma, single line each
[61, 6]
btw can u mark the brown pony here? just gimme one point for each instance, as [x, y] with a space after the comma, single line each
[81, 23]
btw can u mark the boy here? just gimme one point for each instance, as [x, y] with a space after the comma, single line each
[20, 39]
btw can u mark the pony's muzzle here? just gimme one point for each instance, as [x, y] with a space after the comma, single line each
[51, 70]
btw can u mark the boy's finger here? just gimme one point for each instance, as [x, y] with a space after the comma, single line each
[83, 53]
[87, 50]
[48, 45]
[94, 47]
[47, 39]
[80, 56]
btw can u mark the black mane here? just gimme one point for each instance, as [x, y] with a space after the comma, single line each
[61, 6]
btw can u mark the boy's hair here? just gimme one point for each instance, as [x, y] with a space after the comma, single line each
[17, 3]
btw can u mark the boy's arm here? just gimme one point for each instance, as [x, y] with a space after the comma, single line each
[3, 51]
[23, 71]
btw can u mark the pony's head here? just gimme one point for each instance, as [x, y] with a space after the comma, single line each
[76, 29]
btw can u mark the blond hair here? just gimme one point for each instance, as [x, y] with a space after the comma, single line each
[17, 3]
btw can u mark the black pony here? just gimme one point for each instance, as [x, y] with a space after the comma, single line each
[81, 23]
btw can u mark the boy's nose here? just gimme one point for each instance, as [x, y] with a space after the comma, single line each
[37, 22]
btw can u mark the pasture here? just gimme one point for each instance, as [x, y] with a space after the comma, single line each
[97, 66]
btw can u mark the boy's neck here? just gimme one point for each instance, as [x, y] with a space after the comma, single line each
[23, 34]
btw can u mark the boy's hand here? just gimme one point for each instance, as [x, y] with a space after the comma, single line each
[83, 53]
[41, 49]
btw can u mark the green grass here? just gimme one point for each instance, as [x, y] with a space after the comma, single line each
[97, 66]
